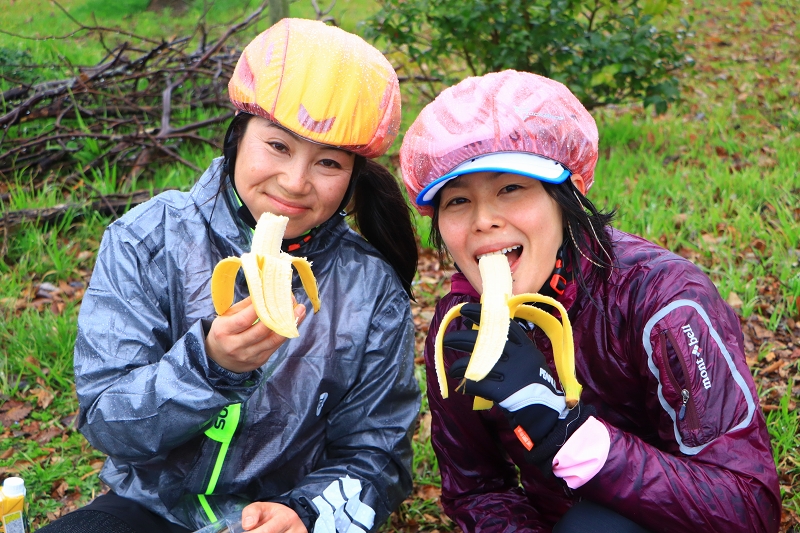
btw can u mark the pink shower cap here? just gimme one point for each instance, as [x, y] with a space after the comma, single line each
[505, 121]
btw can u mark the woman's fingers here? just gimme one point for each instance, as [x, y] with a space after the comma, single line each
[240, 342]
[238, 306]
[257, 332]
[299, 312]
[243, 319]
[267, 517]
[239, 318]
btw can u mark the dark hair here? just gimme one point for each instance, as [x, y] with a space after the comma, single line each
[586, 231]
[585, 227]
[379, 208]
[230, 146]
[383, 217]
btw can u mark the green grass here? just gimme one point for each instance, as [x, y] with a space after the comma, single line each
[714, 179]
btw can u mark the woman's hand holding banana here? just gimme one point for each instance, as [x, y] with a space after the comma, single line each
[246, 334]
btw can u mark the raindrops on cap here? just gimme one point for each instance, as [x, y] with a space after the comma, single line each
[322, 83]
[505, 111]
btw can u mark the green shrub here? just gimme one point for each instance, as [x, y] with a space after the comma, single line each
[15, 67]
[603, 50]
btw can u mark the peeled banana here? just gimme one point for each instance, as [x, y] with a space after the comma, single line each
[498, 307]
[268, 272]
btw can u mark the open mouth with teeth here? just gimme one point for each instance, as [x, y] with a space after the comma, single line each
[512, 253]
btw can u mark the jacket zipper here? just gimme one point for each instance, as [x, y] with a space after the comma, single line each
[688, 409]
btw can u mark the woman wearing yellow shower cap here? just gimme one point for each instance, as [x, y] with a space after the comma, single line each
[212, 419]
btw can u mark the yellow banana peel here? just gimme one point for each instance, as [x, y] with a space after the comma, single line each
[268, 272]
[498, 307]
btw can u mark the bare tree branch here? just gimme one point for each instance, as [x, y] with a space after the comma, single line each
[128, 110]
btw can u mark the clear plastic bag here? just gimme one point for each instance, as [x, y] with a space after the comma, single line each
[226, 525]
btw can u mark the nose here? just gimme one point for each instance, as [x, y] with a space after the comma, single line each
[486, 217]
[293, 178]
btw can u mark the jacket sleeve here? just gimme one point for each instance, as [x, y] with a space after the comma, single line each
[480, 484]
[710, 467]
[365, 471]
[144, 388]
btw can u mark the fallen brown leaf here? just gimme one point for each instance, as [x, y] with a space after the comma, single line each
[424, 427]
[59, 489]
[47, 435]
[428, 492]
[15, 414]
[43, 397]
[777, 365]
[734, 300]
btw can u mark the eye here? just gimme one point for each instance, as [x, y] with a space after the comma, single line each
[330, 163]
[456, 200]
[510, 188]
[279, 147]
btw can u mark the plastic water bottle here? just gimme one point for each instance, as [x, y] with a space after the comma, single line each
[13, 513]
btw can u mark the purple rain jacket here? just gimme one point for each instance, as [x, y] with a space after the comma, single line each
[700, 464]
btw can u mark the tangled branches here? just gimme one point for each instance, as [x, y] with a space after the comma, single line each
[131, 110]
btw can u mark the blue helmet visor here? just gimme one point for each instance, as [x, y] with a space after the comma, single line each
[522, 163]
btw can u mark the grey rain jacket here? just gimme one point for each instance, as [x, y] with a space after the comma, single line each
[661, 358]
[324, 425]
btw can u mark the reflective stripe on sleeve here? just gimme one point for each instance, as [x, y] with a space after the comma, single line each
[735, 374]
[341, 509]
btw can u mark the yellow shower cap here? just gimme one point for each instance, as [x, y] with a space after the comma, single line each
[322, 83]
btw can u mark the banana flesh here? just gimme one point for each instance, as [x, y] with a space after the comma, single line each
[498, 307]
[268, 272]
[492, 334]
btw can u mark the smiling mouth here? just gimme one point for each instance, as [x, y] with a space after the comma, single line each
[512, 253]
[287, 204]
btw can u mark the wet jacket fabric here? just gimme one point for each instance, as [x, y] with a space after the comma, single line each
[324, 425]
[659, 328]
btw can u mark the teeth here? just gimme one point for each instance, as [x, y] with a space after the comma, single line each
[269, 277]
[499, 252]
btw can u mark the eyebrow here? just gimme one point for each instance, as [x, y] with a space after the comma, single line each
[457, 183]
[299, 138]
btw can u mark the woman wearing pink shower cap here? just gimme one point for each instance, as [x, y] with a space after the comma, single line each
[667, 435]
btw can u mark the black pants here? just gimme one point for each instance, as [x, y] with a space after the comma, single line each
[110, 513]
[587, 517]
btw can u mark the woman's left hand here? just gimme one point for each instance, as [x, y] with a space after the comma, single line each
[268, 517]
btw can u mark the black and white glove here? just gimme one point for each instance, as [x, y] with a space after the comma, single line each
[523, 386]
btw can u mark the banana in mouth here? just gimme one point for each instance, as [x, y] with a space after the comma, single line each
[498, 307]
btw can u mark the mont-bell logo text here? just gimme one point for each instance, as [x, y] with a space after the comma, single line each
[696, 352]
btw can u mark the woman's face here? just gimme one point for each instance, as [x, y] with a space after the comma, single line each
[278, 172]
[485, 212]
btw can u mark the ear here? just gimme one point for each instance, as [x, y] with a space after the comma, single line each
[577, 180]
